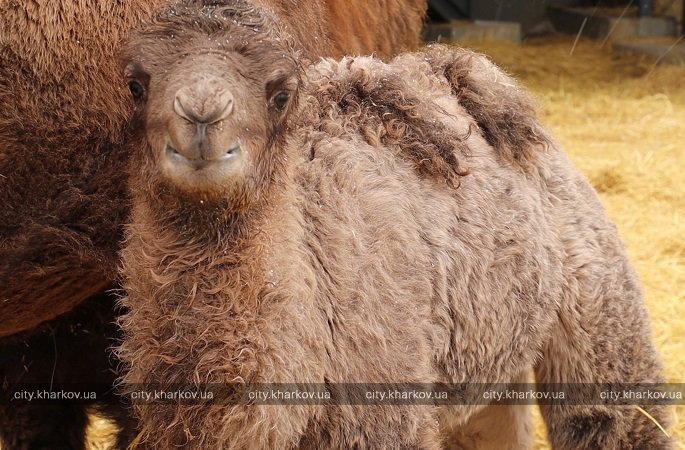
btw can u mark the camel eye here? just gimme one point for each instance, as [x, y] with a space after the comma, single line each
[281, 100]
[137, 90]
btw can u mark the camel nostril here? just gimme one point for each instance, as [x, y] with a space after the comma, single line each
[228, 108]
[181, 110]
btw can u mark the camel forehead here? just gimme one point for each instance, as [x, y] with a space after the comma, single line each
[225, 27]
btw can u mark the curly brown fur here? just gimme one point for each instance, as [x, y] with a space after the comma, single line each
[62, 133]
[307, 240]
[504, 112]
[388, 115]
[392, 113]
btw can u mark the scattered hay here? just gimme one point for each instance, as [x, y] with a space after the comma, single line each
[622, 121]
[650, 417]
[101, 432]
[609, 181]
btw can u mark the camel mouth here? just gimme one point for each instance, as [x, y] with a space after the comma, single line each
[229, 156]
[206, 173]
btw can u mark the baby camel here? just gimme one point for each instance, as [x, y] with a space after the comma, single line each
[357, 221]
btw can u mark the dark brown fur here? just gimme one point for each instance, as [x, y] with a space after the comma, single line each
[346, 243]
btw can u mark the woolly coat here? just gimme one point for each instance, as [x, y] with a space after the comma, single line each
[424, 228]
